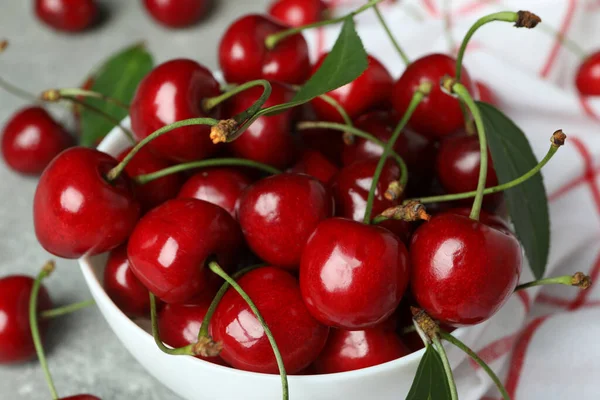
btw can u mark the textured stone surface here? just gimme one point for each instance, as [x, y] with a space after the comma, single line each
[84, 355]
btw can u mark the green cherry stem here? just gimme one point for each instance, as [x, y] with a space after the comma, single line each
[579, 279]
[389, 33]
[214, 267]
[421, 93]
[181, 351]
[447, 367]
[335, 104]
[60, 311]
[104, 115]
[272, 40]
[69, 93]
[211, 102]
[448, 337]
[213, 162]
[522, 19]
[33, 323]
[557, 140]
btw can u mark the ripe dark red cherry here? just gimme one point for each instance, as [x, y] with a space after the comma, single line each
[463, 270]
[169, 247]
[371, 89]
[31, 139]
[351, 350]
[439, 114]
[172, 92]
[220, 186]
[298, 12]
[81, 397]
[177, 13]
[76, 211]
[326, 141]
[158, 191]
[299, 337]
[16, 344]
[243, 55]
[587, 79]
[486, 94]
[67, 15]
[123, 287]
[269, 139]
[278, 214]
[315, 164]
[353, 276]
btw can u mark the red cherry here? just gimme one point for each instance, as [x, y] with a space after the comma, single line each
[169, 247]
[179, 324]
[269, 139]
[298, 12]
[16, 344]
[315, 164]
[81, 397]
[172, 92]
[278, 214]
[299, 337]
[177, 13]
[439, 114]
[326, 141]
[157, 191]
[76, 211]
[351, 350]
[220, 186]
[67, 15]
[122, 286]
[486, 94]
[368, 91]
[489, 219]
[587, 79]
[463, 270]
[31, 139]
[352, 275]
[243, 55]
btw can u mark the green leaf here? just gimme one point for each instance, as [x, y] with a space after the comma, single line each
[527, 203]
[346, 62]
[430, 381]
[118, 77]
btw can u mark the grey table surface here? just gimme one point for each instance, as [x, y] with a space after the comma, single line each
[84, 354]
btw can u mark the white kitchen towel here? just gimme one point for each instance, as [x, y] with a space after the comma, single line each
[549, 349]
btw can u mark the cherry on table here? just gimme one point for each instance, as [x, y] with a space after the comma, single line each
[298, 12]
[31, 139]
[275, 292]
[177, 13]
[67, 15]
[315, 164]
[77, 211]
[243, 55]
[587, 79]
[16, 343]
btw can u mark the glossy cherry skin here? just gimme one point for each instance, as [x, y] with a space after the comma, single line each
[353, 276]
[298, 12]
[587, 79]
[172, 92]
[299, 337]
[268, 140]
[243, 55]
[489, 219]
[315, 164]
[16, 344]
[67, 15]
[279, 213]
[177, 13]
[169, 247]
[486, 94]
[81, 397]
[352, 350]
[31, 139]
[76, 211]
[220, 186]
[438, 114]
[371, 89]
[158, 191]
[179, 324]
[463, 270]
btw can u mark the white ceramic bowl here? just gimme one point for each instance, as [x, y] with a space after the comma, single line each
[194, 379]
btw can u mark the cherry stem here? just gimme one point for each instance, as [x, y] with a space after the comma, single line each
[60, 311]
[499, 188]
[213, 162]
[116, 171]
[70, 93]
[272, 40]
[180, 351]
[360, 133]
[521, 19]
[447, 367]
[335, 104]
[448, 337]
[389, 33]
[579, 279]
[422, 92]
[565, 41]
[104, 115]
[211, 102]
[214, 267]
[33, 323]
